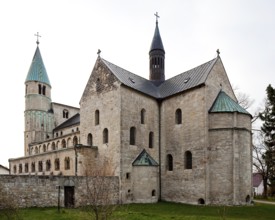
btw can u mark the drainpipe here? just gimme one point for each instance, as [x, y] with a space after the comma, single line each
[75, 160]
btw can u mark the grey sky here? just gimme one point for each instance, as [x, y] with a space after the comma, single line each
[73, 30]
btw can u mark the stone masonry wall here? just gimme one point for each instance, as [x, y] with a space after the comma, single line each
[42, 191]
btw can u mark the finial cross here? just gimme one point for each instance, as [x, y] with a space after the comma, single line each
[37, 35]
[157, 16]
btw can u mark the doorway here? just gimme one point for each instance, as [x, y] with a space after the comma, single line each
[69, 196]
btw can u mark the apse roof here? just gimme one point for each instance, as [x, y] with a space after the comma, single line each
[184, 81]
[144, 159]
[224, 103]
[37, 70]
[71, 121]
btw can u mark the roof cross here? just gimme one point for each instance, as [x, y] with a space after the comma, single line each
[157, 16]
[37, 35]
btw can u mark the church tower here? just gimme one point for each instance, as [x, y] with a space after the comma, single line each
[38, 113]
[157, 58]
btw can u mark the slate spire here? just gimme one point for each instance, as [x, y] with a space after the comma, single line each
[157, 57]
[37, 71]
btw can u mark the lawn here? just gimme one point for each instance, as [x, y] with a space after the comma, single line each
[159, 211]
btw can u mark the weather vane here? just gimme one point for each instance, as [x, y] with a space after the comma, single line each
[37, 35]
[98, 52]
[157, 16]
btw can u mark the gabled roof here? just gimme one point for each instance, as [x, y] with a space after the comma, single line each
[184, 81]
[71, 121]
[156, 42]
[257, 179]
[224, 103]
[5, 168]
[37, 70]
[144, 159]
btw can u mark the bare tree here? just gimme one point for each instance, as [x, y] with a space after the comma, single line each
[101, 189]
[263, 161]
[8, 206]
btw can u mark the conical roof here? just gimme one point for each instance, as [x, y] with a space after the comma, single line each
[157, 42]
[37, 70]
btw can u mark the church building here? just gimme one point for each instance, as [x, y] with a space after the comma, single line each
[184, 139]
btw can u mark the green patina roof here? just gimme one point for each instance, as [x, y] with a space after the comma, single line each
[224, 103]
[144, 159]
[37, 71]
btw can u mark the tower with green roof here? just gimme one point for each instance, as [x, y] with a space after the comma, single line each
[39, 118]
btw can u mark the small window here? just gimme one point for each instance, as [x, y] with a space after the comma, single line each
[65, 113]
[63, 143]
[169, 162]
[132, 136]
[178, 116]
[39, 89]
[56, 164]
[20, 168]
[105, 136]
[33, 166]
[14, 169]
[128, 176]
[26, 167]
[151, 139]
[48, 165]
[97, 117]
[67, 163]
[153, 192]
[75, 141]
[44, 90]
[142, 116]
[40, 166]
[188, 160]
[90, 139]
[201, 201]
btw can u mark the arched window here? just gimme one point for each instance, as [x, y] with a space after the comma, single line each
[153, 192]
[63, 143]
[33, 166]
[132, 136]
[65, 113]
[178, 116]
[14, 169]
[67, 163]
[53, 146]
[44, 90]
[20, 168]
[151, 139]
[36, 150]
[56, 164]
[90, 139]
[40, 166]
[188, 160]
[44, 148]
[97, 117]
[142, 116]
[57, 145]
[39, 89]
[169, 162]
[26, 167]
[201, 201]
[75, 141]
[48, 165]
[105, 136]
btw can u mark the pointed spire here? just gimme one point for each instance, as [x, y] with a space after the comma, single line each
[157, 42]
[37, 70]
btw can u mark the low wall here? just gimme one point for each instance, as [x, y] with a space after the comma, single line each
[45, 191]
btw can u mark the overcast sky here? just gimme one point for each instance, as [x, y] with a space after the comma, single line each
[73, 30]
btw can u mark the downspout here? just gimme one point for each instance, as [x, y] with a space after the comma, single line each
[75, 160]
[160, 188]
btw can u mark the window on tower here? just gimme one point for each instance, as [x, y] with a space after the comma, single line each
[44, 90]
[65, 113]
[39, 89]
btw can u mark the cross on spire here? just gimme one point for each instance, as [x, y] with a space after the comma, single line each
[37, 35]
[157, 16]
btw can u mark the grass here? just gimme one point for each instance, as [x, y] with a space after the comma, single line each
[159, 211]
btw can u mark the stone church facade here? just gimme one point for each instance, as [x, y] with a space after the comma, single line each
[184, 139]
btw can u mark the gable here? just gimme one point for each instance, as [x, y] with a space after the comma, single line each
[144, 159]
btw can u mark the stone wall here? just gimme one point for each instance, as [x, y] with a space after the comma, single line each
[43, 191]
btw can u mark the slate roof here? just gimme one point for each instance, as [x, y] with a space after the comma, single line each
[37, 70]
[224, 103]
[184, 81]
[156, 42]
[257, 179]
[144, 159]
[71, 121]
